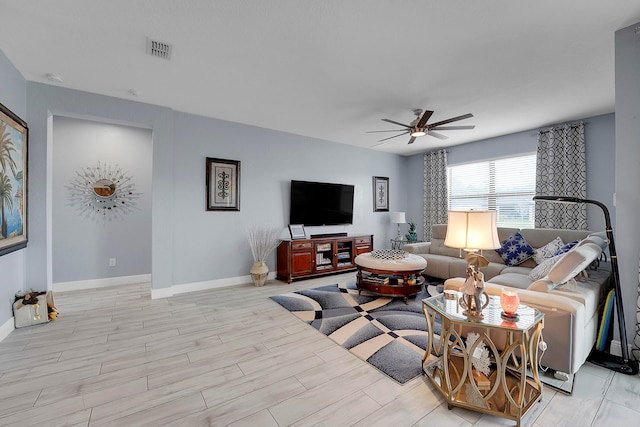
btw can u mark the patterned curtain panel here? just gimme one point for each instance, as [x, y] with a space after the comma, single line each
[436, 201]
[561, 171]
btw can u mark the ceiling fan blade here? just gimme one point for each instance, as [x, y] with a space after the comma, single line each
[453, 119]
[377, 131]
[438, 135]
[413, 138]
[394, 136]
[424, 119]
[396, 123]
[453, 127]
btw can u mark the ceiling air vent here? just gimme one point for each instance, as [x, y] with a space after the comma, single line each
[159, 49]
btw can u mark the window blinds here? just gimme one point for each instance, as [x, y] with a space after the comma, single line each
[505, 185]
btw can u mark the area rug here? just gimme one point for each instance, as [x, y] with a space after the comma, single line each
[385, 332]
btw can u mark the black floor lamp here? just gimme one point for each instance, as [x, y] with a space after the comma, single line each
[619, 364]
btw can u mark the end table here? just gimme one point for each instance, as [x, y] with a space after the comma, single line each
[481, 364]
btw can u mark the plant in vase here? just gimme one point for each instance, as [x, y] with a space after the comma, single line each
[262, 240]
[412, 235]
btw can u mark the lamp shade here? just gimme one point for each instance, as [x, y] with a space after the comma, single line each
[472, 230]
[398, 218]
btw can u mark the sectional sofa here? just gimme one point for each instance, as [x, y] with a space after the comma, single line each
[569, 288]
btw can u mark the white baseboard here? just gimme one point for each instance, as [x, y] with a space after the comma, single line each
[100, 283]
[203, 286]
[6, 328]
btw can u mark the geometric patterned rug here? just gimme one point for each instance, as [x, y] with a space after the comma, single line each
[385, 332]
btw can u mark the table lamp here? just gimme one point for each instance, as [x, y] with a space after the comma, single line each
[472, 231]
[398, 218]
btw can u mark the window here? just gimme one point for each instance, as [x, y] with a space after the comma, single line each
[505, 185]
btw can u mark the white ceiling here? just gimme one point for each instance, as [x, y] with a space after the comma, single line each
[331, 69]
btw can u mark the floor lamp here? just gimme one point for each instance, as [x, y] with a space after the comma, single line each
[619, 364]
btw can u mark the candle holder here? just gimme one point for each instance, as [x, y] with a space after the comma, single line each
[509, 301]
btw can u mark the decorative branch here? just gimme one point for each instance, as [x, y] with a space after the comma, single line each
[263, 240]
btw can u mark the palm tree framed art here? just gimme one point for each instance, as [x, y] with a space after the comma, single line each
[13, 181]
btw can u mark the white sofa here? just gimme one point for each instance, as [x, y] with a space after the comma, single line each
[572, 308]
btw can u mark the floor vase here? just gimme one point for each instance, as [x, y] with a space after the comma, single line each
[259, 272]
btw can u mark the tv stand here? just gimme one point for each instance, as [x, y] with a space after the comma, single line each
[322, 236]
[320, 256]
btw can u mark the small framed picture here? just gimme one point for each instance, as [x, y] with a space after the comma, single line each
[223, 184]
[297, 231]
[380, 194]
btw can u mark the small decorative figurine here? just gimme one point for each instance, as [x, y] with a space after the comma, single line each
[473, 291]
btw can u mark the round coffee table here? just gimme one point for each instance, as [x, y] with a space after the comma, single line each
[390, 277]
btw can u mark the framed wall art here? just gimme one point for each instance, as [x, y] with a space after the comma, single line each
[13, 181]
[223, 184]
[380, 194]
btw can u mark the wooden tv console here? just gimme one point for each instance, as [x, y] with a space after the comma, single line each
[318, 256]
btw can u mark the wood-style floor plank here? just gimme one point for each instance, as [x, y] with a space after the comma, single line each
[233, 357]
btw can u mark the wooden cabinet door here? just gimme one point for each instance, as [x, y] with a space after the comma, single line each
[301, 263]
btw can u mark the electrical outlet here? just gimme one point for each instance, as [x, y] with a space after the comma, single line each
[112, 262]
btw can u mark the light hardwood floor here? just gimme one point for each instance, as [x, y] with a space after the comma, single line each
[234, 357]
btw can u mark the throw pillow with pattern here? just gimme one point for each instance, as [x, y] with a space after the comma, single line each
[548, 250]
[515, 250]
[542, 270]
[564, 249]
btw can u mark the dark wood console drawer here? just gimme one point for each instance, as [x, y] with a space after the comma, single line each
[298, 246]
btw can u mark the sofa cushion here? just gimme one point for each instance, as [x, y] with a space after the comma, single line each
[538, 237]
[548, 250]
[542, 270]
[514, 280]
[596, 239]
[515, 250]
[573, 262]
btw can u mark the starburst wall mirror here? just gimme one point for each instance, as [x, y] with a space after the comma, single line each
[103, 191]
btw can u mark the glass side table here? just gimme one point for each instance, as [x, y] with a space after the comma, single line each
[399, 243]
[481, 364]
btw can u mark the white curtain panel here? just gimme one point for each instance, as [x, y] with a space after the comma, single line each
[561, 171]
[436, 203]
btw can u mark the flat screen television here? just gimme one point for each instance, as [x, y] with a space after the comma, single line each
[321, 203]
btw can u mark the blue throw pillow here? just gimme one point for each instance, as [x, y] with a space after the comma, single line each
[515, 249]
[566, 248]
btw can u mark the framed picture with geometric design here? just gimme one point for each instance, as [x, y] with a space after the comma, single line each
[223, 184]
[13, 181]
[380, 194]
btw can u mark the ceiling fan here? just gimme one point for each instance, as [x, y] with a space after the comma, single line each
[419, 127]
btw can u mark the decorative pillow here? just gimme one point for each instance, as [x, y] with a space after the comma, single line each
[388, 254]
[566, 248]
[548, 250]
[573, 262]
[515, 250]
[542, 269]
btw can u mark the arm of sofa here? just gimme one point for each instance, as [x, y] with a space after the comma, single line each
[564, 321]
[417, 248]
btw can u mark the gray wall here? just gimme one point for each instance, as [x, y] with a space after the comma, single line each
[13, 90]
[189, 244]
[83, 244]
[599, 141]
[627, 168]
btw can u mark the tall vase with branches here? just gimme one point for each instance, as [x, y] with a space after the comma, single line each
[262, 240]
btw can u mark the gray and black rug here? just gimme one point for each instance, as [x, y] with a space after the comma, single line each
[385, 332]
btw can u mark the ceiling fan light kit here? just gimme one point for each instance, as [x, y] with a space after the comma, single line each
[419, 127]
